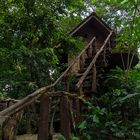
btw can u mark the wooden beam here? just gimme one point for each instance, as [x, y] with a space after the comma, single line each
[44, 117]
[21, 104]
[77, 110]
[66, 84]
[80, 25]
[24, 102]
[65, 118]
[94, 83]
[10, 126]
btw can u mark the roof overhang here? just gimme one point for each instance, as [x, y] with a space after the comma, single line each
[94, 20]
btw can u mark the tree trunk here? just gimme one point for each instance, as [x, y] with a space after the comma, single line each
[10, 125]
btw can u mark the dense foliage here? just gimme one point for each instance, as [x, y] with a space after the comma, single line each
[115, 114]
[29, 33]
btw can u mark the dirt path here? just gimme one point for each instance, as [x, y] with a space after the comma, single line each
[31, 137]
[27, 137]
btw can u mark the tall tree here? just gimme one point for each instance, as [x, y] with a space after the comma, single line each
[29, 31]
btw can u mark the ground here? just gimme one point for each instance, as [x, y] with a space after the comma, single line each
[27, 137]
[31, 137]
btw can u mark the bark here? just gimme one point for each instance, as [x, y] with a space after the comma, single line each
[44, 117]
[28, 121]
[23, 103]
[65, 118]
[10, 125]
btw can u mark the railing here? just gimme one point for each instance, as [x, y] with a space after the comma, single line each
[35, 95]
[80, 82]
[72, 64]
[47, 92]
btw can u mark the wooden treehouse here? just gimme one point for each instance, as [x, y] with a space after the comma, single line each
[90, 65]
[87, 68]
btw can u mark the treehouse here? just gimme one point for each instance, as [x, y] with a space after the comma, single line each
[99, 39]
[89, 28]
[87, 67]
[96, 57]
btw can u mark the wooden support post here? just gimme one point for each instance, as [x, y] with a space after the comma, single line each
[66, 82]
[44, 117]
[65, 118]
[81, 93]
[28, 121]
[10, 125]
[89, 51]
[81, 59]
[77, 110]
[94, 84]
[94, 47]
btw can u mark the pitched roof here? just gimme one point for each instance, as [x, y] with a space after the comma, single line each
[95, 20]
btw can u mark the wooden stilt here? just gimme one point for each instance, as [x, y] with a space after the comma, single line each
[10, 125]
[94, 84]
[44, 117]
[77, 113]
[65, 118]
[66, 84]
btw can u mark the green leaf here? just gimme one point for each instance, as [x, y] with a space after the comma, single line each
[139, 104]
[60, 137]
[82, 126]
[74, 138]
[95, 119]
[128, 97]
[124, 1]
